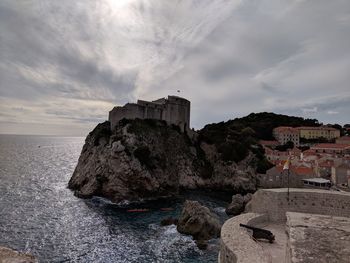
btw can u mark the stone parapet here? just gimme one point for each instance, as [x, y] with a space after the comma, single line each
[274, 202]
[8, 255]
[237, 245]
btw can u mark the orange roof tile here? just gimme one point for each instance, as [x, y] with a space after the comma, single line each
[317, 128]
[270, 143]
[286, 129]
[330, 146]
[344, 138]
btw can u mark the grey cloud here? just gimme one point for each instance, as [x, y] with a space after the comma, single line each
[71, 61]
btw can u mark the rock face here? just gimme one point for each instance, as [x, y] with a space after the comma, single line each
[238, 204]
[12, 256]
[197, 220]
[147, 159]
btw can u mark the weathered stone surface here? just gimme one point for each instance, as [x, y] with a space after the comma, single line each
[237, 244]
[238, 204]
[8, 255]
[318, 238]
[275, 202]
[197, 220]
[147, 159]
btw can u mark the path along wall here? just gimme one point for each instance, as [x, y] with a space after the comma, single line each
[274, 202]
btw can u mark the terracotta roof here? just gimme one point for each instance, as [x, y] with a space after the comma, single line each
[295, 150]
[286, 129]
[330, 146]
[308, 152]
[301, 170]
[271, 143]
[328, 163]
[317, 128]
[344, 138]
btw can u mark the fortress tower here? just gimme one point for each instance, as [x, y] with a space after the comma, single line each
[173, 110]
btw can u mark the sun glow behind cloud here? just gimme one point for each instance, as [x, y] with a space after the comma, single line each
[69, 62]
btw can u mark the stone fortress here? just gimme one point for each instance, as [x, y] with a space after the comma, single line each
[174, 110]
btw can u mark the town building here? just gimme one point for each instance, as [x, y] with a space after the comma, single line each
[331, 148]
[286, 134]
[343, 140]
[325, 132]
[341, 174]
[317, 183]
[174, 110]
[323, 167]
[277, 177]
[269, 144]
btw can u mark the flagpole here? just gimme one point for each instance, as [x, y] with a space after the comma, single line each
[288, 187]
[287, 167]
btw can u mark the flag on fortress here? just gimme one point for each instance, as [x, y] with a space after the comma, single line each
[286, 164]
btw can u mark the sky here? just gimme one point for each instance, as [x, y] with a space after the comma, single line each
[65, 64]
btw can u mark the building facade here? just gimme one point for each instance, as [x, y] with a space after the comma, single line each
[285, 134]
[174, 110]
[331, 148]
[341, 174]
[328, 133]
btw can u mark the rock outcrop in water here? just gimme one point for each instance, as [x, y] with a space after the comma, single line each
[197, 220]
[146, 159]
[9, 255]
[238, 204]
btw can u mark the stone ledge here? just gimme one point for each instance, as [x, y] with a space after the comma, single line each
[237, 244]
[318, 238]
[8, 255]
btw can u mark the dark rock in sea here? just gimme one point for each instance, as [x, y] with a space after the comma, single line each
[147, 159]
[238, 204]
[169, 221]
[202, 244]
[198, 221]
[9, 255]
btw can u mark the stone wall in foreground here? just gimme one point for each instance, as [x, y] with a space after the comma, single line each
[275, 203]
[8, 255]
[237, 244]
[271, 205]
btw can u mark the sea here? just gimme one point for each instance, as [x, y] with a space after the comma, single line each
[41, 216]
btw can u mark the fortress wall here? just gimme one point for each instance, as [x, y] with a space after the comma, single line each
[129, 111]
[237, 244]
[178, 112]
[174, 110]
[274, 203]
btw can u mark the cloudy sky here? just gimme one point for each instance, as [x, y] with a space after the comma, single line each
[64, 64]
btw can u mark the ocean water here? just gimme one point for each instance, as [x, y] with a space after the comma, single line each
[40, 215]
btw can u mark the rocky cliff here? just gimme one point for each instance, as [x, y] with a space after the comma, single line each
[146, 159]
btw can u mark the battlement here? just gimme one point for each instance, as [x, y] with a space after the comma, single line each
[174, 110]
